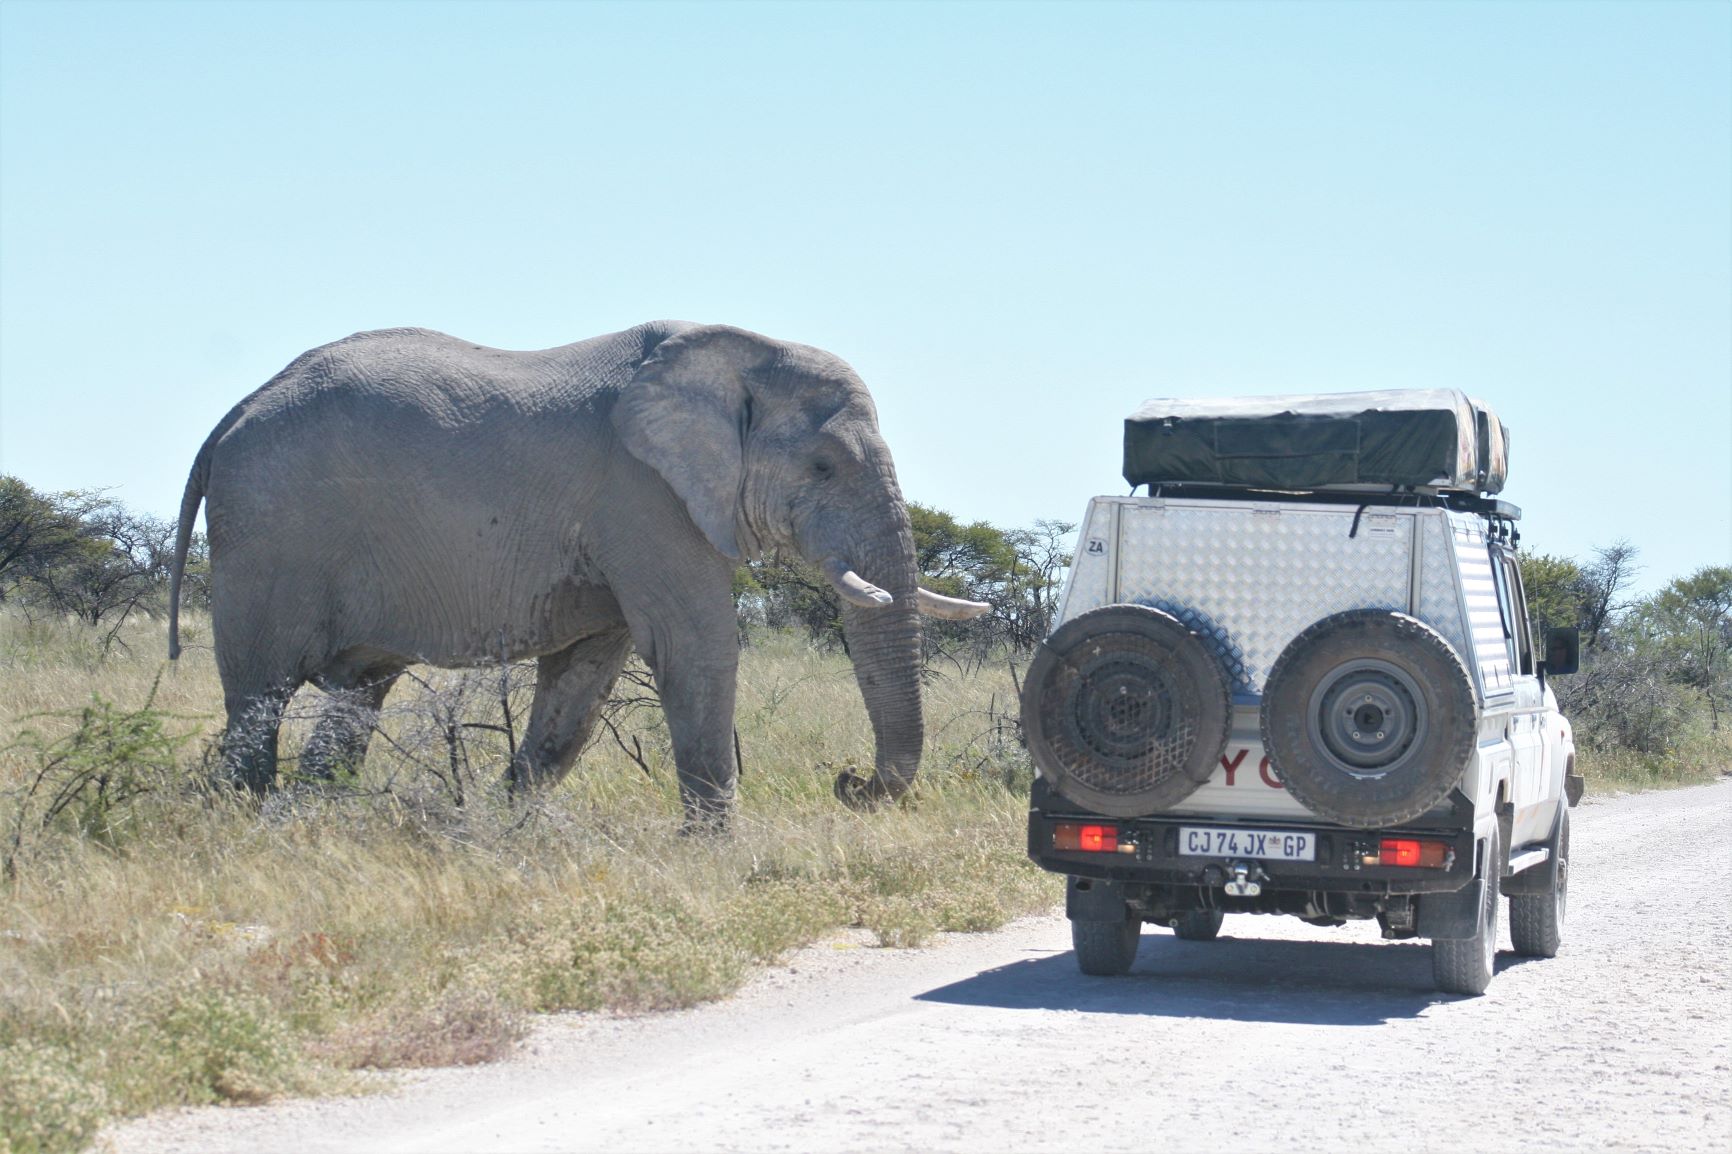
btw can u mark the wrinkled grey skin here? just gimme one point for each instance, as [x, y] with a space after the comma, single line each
[404, 496]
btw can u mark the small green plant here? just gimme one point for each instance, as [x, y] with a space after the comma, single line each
[201, 1046]
[48, 1102]
[89, 777]
[899, 921]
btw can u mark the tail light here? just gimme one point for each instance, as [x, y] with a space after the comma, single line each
[1070, 835]
[1414, 852]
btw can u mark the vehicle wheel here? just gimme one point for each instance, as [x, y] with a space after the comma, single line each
[1369, 717]
[1125, 710]
[1199, 925]
[1536, 921]
[1106, 949]
[1464, 965]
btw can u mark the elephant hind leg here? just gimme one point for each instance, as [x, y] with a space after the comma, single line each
[338, 744]
[571, 687]
[261, 648]
[249, 745]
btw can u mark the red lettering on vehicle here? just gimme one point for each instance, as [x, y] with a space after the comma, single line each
[1268, 774]
[1232, 767]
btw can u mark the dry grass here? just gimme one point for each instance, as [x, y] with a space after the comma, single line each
[171, 945]
[1699, 757]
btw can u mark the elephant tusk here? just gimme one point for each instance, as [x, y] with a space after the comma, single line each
[852, 588]
[950, 608]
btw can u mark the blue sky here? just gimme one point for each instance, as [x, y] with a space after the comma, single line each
[1017, 221]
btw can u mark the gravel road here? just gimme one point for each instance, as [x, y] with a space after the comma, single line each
[1277, 1036]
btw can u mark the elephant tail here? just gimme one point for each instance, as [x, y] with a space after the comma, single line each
[196, 482]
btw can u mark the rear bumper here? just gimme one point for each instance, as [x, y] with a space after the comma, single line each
[1339, 866]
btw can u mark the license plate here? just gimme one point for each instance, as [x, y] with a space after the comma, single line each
[1275, 844]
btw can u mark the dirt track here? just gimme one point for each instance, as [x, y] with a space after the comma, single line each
[1276, 1037]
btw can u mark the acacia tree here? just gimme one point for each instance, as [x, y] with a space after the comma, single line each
[84, 554]
[1692, 620]
[1554, 588]
[38, 531]
[1641, 658]
[121, 561]
[1018, 572]
[1043, 557]
[786, 592]
[1603, 583]
[1624, 695]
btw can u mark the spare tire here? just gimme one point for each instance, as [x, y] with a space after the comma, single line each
[1369, 717]
[1125, 710]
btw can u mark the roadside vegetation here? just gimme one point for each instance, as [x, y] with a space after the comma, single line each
[164, 942]
[1649, 705]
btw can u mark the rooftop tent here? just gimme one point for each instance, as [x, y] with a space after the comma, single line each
[1420, 438]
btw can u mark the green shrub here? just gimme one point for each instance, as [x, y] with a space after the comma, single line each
[89, 778]
[48, 1102]
[899, 921]
[630, 957]
[203, 1046]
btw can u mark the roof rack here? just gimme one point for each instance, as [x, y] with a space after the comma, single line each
[1399, 496]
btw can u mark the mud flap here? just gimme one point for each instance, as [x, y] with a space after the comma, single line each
[1543, 878]
[1453, 915]
[1540, 879]
[1093, 900]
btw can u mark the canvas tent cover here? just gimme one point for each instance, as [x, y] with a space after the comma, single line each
[1425, 438]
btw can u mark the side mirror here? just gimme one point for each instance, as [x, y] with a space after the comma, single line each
[1563, 650]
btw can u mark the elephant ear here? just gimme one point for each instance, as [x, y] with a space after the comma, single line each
[686, 413]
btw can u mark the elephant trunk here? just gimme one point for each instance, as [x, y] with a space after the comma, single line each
[884, 642]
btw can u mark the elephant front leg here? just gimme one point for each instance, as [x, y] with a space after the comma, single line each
[698, 700]
[571, 688]
[700, 719]
[680, 609]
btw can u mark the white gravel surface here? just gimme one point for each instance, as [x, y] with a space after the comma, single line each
[1278, 1036]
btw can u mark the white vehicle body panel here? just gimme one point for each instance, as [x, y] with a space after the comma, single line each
[1248, 576]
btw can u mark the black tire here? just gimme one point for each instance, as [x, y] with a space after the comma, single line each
[1126, 711]
[1106, 949]
[1536, 921]
[1465, 965]
[1369, 717]
[1199, 925]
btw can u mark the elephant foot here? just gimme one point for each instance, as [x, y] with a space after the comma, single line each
[706, 821]
[326, 766]
[249, 787]
[865, 794]
[526, 778]
[251, 776]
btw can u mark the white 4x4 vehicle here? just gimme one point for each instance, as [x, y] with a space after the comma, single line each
[1299, 677]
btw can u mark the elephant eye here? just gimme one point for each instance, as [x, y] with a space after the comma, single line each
[823, 470]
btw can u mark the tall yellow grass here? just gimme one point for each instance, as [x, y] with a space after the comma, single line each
[183, 946]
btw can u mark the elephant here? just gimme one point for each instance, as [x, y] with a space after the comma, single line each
[403, 496]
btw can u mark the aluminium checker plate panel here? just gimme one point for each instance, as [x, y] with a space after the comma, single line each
[1089, 584]
[1250, 576]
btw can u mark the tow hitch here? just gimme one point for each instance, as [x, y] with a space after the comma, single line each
[1247, 879]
